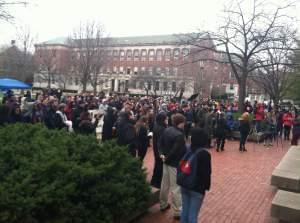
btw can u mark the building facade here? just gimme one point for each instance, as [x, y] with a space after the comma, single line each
[146, 65]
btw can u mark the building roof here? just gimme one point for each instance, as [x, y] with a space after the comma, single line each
[56, 41]
[132, 40]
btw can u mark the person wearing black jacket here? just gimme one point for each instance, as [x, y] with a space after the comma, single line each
[109, 121]
[192, 198]
[173, 149]
[220, 132]
[244, 130]
[50, 116]
[159, 127]
[126, 132]
[142, 139]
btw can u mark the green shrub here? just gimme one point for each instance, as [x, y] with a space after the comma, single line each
[49, 176]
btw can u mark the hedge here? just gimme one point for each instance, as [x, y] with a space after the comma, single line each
[50, 176]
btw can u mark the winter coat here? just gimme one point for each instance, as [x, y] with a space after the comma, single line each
[244, 127]
[287, 119]
[203, 172]
[173, 145]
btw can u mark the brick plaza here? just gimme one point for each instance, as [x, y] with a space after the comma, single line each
[240, 191]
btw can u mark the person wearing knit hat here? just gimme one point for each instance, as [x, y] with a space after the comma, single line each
[244, 130]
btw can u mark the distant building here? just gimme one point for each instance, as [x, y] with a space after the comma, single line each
[157, 65]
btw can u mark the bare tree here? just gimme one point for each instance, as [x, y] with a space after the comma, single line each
[17, 60]
[244, 37]
[25, 41]
[47, 64]
[4, 9]
[274, 76]
[88, 41]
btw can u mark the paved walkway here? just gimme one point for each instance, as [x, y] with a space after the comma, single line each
[240, 190]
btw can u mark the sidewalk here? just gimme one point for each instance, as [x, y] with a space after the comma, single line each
[240, 190]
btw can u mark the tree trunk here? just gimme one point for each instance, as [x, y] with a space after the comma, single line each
[242, 93]
[95, 89]
[49, 81]
[84, 83]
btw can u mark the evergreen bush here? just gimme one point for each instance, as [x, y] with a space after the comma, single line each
[50, 176]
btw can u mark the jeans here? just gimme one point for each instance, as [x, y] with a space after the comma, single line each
[243, 140]
[191, 204]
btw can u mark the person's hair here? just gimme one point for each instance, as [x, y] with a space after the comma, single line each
[142, 122]
[177, 119]
[160, 118]
[199, 138]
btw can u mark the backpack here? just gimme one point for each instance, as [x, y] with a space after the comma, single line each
[187, 170]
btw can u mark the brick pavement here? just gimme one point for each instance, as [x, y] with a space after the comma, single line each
[240, 190]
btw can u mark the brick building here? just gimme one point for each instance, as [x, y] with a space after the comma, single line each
[151, 65]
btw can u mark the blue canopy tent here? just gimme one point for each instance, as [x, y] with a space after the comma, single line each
[7, 83]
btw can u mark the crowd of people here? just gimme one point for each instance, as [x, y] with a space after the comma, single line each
[169, 124]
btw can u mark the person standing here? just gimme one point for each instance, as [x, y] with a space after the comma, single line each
[193, 194]
[244, 130]
[221, 128]
[296, 131]
[142, 140]
[287, 124]
[173, 149]
[160, 125]
[126, 132]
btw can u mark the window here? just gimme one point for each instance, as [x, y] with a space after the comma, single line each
[185, 54]
[201, 63]
[150, 70]
[167, 71]
[167, 54]
[122, 55]
[135, 70]
[109, 53]
[231, 76]
[157, 85]
[151, 55]
[159, 55]
[158, 71]
[70, 81]
[76, 81]
[121, 70]
[53, 53]
[133, 84]
[165, 86]
[175, 71]
[143, 70]
[128, 70]
[144, 55]
[173, 86]
[108, 70]
[106, 82]
[115, 54]
[231, 87]
[129, 54]
[136, 55]
[115, 70]
[176, 54]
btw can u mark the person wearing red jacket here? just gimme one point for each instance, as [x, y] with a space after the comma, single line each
[287, 124]
[259, 116]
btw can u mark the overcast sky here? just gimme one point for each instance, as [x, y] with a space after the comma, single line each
[49, 19]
